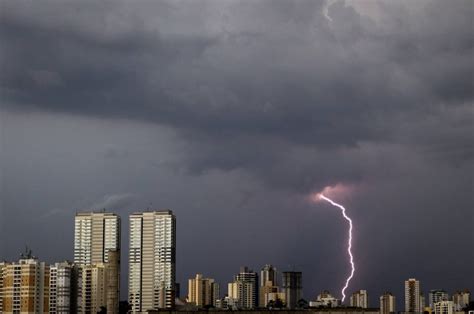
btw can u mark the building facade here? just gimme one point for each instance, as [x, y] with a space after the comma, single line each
[437, 295]
[292, 285]
[243, 291]
[412, 296]
[444, 307]
[95, 233]
[387, 303]
[63, 288]
[152, 260]
[461, 299]
[97, 255]
[325, 299]
[203, 292]
[360, 299]
[269, 289]
[3, 266]
[26, 287]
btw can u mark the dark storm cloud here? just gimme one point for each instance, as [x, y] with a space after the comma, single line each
[270, 100]
[241, 69]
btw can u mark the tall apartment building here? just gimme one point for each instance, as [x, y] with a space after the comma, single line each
[216, 293]
[99, 285]
[95, 233]
[3, 266]
[444, 307]
[360, 299]
[26, 286]
[63, 288]
[268, 276]
[202, 291]
[152, 260]
[292, 285]
[93, 288]
[387, 303]
[412, 296]
[268, 285]
[243, 291]
[437, 295]
[96, 239]
[461, 299]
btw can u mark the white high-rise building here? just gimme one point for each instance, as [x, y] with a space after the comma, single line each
[95, 233]
[444, 307]
[387, 303]
[412, 296]
[360, 299]
[62, 288]
[152, 260]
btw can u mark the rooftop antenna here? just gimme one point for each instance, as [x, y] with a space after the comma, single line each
[28, 253]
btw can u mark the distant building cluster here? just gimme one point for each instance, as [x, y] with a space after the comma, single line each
[91, 283]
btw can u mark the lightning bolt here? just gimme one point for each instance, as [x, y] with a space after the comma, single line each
[349, 242]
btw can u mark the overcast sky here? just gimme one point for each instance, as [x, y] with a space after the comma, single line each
[231, 113]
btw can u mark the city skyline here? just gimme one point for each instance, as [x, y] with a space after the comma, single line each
[96, 238]
[233, 114]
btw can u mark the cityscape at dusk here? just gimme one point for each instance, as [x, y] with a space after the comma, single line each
[237, 155]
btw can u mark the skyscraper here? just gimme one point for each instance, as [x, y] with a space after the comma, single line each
[412, 296]
[360, 299]
[387, 303]
[152, 256]
[268, 285]
[95, 233]
[437, 295]
[97, 254]
[292, 285]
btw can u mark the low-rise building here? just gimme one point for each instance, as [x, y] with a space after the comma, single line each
[444, 307]
[325, 299]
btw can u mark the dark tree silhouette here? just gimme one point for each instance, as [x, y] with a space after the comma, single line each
[302, 304]
[124, 307]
